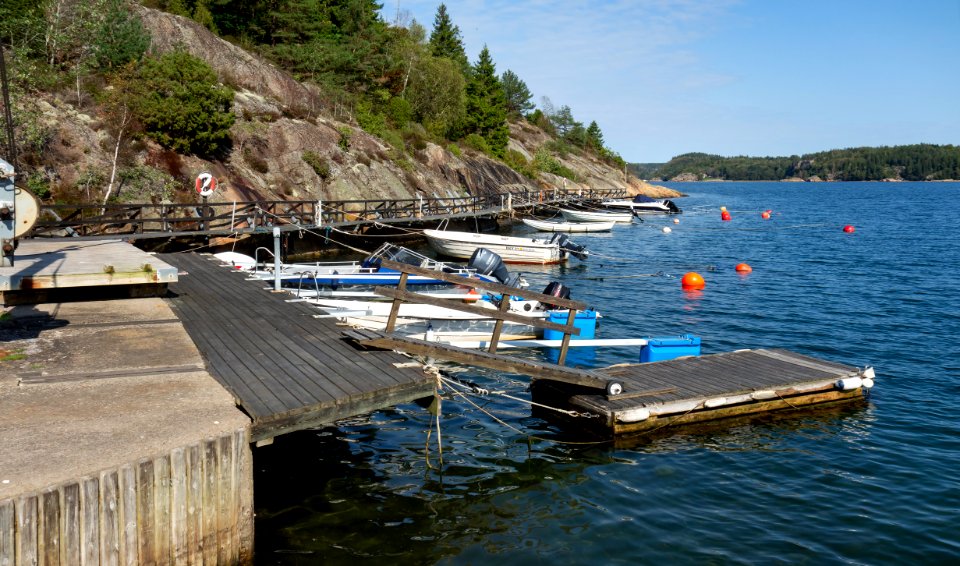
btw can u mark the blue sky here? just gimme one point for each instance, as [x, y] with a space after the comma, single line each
[750, 77]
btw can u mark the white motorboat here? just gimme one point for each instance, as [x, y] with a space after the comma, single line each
[486, 266]
[643, 204]
[438, 323]
[577, 215]
[568, 227]
[511, 249]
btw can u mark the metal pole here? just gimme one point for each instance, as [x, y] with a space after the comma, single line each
[276, 258]
[8, 228]
[7, 112]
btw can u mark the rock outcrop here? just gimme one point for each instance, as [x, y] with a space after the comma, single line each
[287, 145]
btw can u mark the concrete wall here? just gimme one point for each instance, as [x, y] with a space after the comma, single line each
[193, 505]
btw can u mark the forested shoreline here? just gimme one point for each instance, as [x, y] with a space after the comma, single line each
[919, 162]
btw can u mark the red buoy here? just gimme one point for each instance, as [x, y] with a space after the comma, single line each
[849, 229]
[692, 280]
[743, 268]
[725, 216]
[765, 215]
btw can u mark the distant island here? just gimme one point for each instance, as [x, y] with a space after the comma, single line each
[919, 162]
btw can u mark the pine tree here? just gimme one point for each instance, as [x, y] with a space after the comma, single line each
[594, 136]
[445, 40]
[121, 37]
[516, 93]
[486, 105]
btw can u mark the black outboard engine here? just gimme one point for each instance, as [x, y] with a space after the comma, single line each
[674, 209]
[513, 280]
[556, 289]
[486, 262]
[576, 250]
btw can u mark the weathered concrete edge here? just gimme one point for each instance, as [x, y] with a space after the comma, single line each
[189, 505]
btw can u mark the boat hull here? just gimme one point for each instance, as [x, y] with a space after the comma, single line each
[510, 249]
[592, 216]
[568, 227]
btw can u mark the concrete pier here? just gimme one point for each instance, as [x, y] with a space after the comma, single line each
[116, 446]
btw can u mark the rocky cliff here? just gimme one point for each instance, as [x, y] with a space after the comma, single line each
[291, 143]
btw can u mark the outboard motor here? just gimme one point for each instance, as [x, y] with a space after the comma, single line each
[674, 209]
[555, 289]
[514, 280]
[486, 262]
[566, 245]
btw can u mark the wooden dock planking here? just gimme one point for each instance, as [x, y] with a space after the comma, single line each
[43, 265]
[286, 368]
[675, 391]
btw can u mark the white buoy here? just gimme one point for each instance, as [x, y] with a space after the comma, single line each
[634, 415]
[667, 230]
[763, 395]
[714, 403]
[867, 383]
[868, 373]
[849, 383]
[676, 221]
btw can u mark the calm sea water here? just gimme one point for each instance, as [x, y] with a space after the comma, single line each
[875, 483]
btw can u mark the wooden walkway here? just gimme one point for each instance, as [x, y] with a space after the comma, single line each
[287, 369]
[696, 389]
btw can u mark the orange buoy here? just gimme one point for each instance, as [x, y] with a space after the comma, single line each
[765, 215]
[743, 268]
[472, 296]
[849, 229]
[725, 216]
[692, 280]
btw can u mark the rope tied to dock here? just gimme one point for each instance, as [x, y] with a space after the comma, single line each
[476, 389]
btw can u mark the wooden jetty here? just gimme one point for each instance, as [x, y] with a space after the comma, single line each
[696, 389]
[630, 398]
[287, 369]
[146, 220]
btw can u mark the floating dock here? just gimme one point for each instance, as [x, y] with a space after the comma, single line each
[697, 389]
[66, 268]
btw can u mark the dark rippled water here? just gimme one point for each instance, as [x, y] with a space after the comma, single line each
[869, 484]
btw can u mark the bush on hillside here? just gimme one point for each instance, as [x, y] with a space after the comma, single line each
[180, 104]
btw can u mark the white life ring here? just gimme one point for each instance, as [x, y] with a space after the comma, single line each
[206, 184]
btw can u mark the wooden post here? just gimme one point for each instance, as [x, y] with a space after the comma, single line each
[395, 307]
[571, 324]
[498, 327]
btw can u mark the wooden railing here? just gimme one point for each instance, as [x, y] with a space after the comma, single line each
[486, 359]
[244, 217]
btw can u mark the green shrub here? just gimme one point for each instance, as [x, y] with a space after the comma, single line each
[543, 161]
[39, 185]
[455, 149]
[516, 161]
[399, 111]
[477, 142]
[345, 134]
[317, 163]
[145, 184]
[395, 140]
[370, 120]
[180, 105]
[414, 136]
